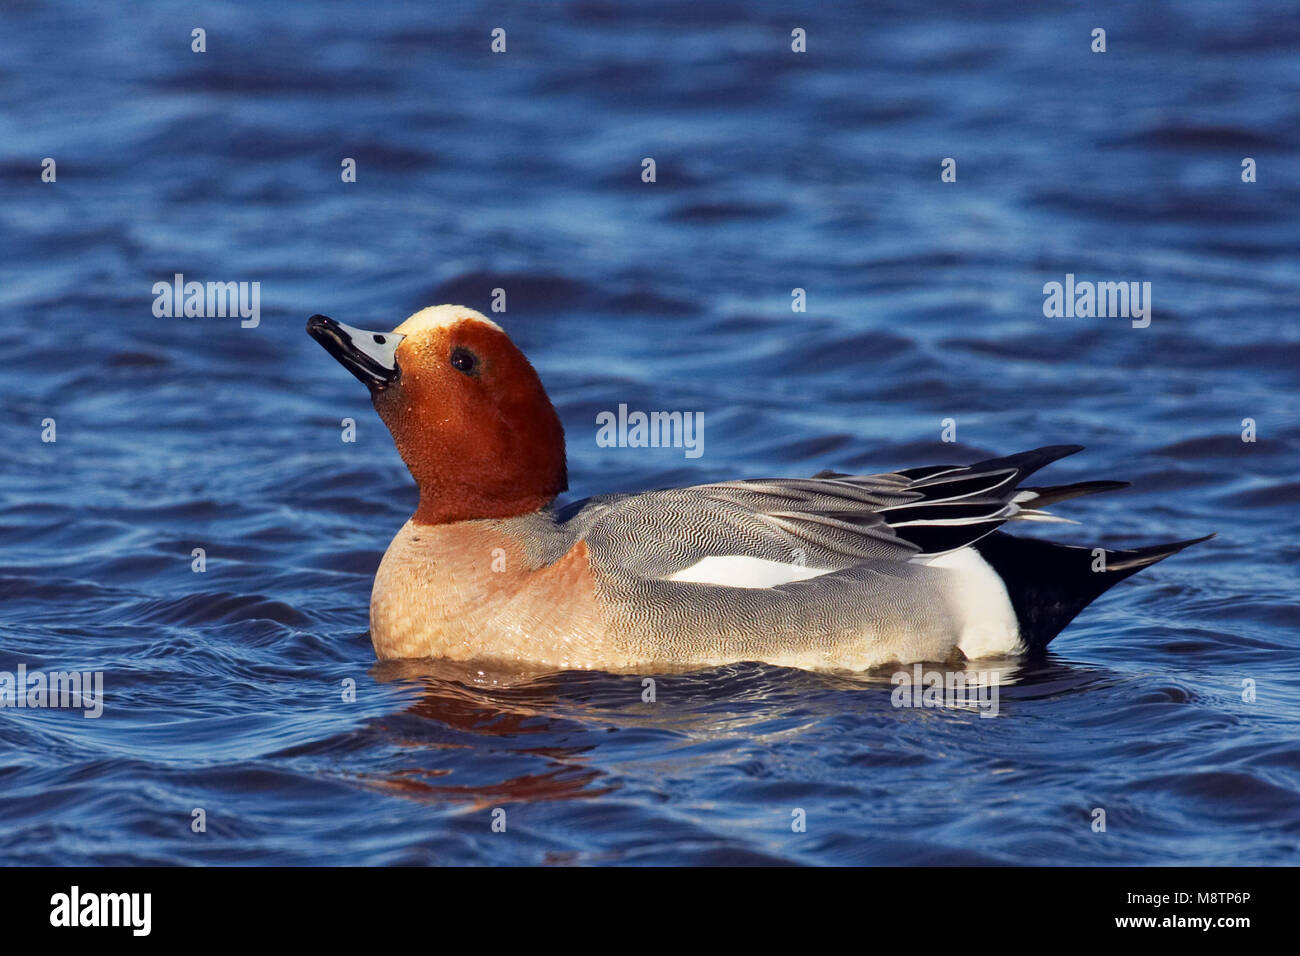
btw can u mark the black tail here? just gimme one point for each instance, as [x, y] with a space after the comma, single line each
[1050, 583]
[1045, 497]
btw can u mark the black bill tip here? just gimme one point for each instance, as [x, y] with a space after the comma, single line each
[370, 356]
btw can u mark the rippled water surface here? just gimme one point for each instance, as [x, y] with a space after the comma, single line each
[522, 171]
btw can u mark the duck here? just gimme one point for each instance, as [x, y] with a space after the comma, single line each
[833, 572]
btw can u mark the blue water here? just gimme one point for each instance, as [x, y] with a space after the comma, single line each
[223, 689]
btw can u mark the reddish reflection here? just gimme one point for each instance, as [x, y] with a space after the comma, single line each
[472, 712]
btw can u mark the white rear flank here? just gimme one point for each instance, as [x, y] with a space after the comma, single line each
[980, 605]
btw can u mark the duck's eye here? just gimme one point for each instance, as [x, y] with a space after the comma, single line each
[463, 360]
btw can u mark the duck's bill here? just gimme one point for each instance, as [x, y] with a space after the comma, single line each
[370, 356]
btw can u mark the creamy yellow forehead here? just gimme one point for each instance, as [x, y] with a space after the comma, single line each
[441, 317]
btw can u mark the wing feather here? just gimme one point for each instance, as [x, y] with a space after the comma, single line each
[830, 522]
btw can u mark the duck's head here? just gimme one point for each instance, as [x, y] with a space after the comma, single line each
[466, 410]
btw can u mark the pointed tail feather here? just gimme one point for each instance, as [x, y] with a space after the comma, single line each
[1027, 462]
[1046, 497]
[1135, 560]
[1050, 583]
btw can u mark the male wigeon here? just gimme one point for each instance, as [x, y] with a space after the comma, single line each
[834, 571]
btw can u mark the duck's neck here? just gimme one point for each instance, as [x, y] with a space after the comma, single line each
[439, 508]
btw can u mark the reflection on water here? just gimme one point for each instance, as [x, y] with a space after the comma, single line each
[475, 709]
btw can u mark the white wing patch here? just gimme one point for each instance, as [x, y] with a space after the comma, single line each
[741, 571]
[981, 607]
